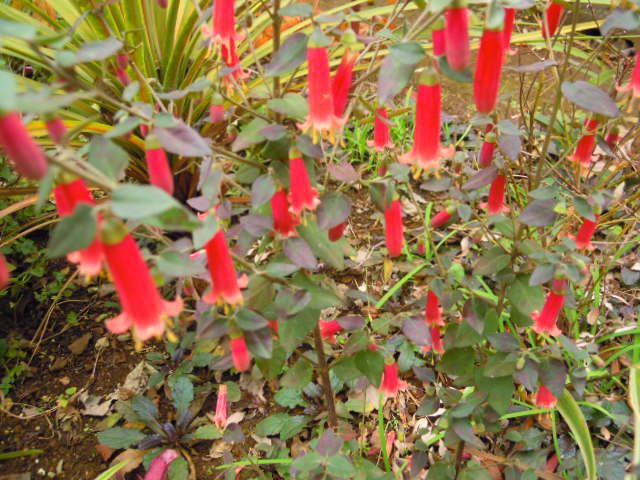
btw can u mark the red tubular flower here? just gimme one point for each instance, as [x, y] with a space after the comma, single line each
[584, 149]
[123, 76]
[26, 156]
[222, 407]
[544, 398]
[438, 39]
[341, 84]
[394, 229]
[381, 131]
[613, 137]
[142, 306]
[427, 149]
[163, 3]
[390, 384]
[634, 83]
[552, 15]
[322, 116]
[436, 340]
[486, 82]
[216, 113]
[284, 222]
[329, 329]
[224, 23]
[68, 196]
[433, 312]
[4, 272]
[302, 195]
[159, 467]
[56, 129]
[441, 218]
[488, 148]
[457, 36]
[239, 354]
[224, 279]
[545, 321]
[232, 61]
[585, 234]
[496, 205]
[158, 167]
[122, 60]
[509, 19]
[335, 233]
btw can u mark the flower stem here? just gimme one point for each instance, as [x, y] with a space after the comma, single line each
[326, 381]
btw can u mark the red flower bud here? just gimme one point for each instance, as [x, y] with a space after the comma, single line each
[584, 149]
[144, 130]
[381, 131]
[142, 306]
[4, 272]
[240, 354]
[544, 398]
[427, 149]
[436, 340]
[390, 384]
[26, 156]
[545, 321]
[496, 205]
[163, 3]
[224, 23]
[552, 19]
[122, 60]
[329, 329]
[56, 129]
[438, 39]
[216, 113]
[322, 116]
[68, 196]
[634, 83]
[222, 406]
[123, 76]
[159, 467]
[486, 82]
[509, 19]
[488, 149]
[335, 233]
[585, 234]
[457, 37]
[158, 167]
[224, 279]
[441, 218]
[302, 195]
[613, 137]
[341, 84]
[433, 312]
[284, 222]
[394, 229]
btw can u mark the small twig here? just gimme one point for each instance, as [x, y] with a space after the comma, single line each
[326, 381]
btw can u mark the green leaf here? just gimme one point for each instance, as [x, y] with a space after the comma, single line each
[124, 127]
[371, 364]
[137, 202]
[250, 134]
[74, 232]
[296, 10]
[298, 376]
[112, 471]
[119, 437]
[539, 213]
[108, 157]
[280, 423]
[178, 469]
[205, 231]
[248, 320]
[590, 97]
[289, 397]
[90, 52]
[491, 262]
[207, 432]
[176, 264]
[572, 414]
[9, 89]
[333, 210]
[291, 105]
[292, 54]
[397, 68]
[22, 31]
[320, 244]
[524, 297]
[295, 329]
[457, 361]
[182, 390]
[340, 466]
[262, 190]
[182, 140]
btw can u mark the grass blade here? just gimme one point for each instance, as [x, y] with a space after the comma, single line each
[572, 414]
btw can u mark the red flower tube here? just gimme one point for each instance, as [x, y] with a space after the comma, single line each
[390, 384]
[301, 195]
[457, 35]
[68, 196]
[224, 279]
[284, 222]
[123, 76]
[433, 312]
[335, 233]
[232, 61]
[4, 272]
[634, 83]
[613, 137]
[496, 205]
[143, 309]
[26, 156]
[159, 467]
[222, 407]
[341, 84]
[158, 167]
[216, 110]
[443, 217]
[381, 131]
[239, 354]
[584, 149]
[329, 329]
[585, 234]
[486, 82]
[544, 398]
[224, 23]
[394, 229]
[488, 149]
[545, 321]
[438, 39]
[56, 129]
[427, 150]
[552, 15]
[436, 340]
[509, 19]
[122, 60]
[322, 116]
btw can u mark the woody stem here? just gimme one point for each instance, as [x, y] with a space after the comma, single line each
[326, 381]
